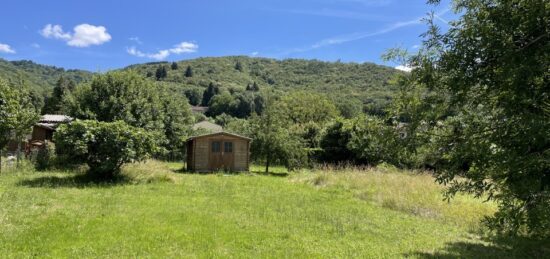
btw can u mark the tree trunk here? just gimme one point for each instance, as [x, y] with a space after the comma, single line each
[267, 160]
[18, 153]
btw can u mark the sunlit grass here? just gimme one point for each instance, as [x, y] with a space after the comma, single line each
[158, 210]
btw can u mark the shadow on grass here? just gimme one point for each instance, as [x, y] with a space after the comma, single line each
[185, 171]
[73, 181]
[495, 247]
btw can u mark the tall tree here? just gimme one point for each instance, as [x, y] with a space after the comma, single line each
[188, 72]
[18, 114]
[63, 87]
[239, 66]
[209, 92]
[174, 66]
[161, 73]
[8, 108]
[272, 139]
[487, 81]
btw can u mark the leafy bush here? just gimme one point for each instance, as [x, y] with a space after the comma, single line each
[104, 146]
[44, 157]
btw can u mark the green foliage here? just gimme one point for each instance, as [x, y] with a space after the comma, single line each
[104, 146]
[367, 83]
[209, 92]
[174, 66]
[161, 73]
[44, 157]
[188, 72]
[487, 89]
[127, 96]
[54, 103]
[239, 66]
[194, 95]
[274, 142]
[364, 140]
[40, 78]
[304, 107]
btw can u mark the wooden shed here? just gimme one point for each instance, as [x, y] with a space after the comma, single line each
[218, 151]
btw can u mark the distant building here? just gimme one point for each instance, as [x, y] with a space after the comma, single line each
[46, 126]
[42, 131]
[199, 109]
[207, 127]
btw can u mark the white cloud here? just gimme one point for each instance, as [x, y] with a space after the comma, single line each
[84, 35]
[5, 48]
[404, 68]
[255, 53]
[136, 39]
[360, 35]
[54, 32]
[35, 45]
[183, 47]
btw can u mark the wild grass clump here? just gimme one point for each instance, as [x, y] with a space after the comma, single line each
[150, 171]
[413, 192]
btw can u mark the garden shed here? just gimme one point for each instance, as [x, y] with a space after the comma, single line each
[218, 151]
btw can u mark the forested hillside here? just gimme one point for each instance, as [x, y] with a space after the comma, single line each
[40, 78]
[365, 83]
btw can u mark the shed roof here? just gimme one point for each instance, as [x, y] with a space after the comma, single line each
[208, 126]
[219, 133]
[55, 118]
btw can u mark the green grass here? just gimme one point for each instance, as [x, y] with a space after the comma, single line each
[156, 211]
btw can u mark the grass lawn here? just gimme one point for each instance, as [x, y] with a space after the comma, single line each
[160, 212]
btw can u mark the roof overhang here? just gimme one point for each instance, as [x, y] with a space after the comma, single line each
[219, 133]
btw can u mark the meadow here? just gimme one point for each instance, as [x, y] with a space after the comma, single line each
[156, 210]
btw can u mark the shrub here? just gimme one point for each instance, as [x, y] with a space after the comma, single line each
[44, 157]
[104, 146]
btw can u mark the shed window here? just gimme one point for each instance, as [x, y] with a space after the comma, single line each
[216, 146]
[228, 147]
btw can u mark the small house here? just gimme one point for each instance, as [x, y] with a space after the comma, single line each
[46, 126]
[218, 151]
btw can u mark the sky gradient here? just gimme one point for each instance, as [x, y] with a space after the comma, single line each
[102, 35]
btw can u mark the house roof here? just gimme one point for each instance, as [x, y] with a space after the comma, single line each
[50, 126]
[201, 109]
[219, 133]
[208, 126]
[56, 118]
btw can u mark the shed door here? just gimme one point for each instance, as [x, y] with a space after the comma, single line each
[228, 157]
[216, 157]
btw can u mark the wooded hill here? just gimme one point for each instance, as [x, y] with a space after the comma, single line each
[40, 78]
[366, 83]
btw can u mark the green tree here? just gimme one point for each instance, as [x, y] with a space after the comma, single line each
[490, 74]
[177, 120]
[8, 107]
[273, 142]
[25, 115]
[161, 73]
[194, 96]
[104, 146]
[188, 72]
[239, 66]
[174, 66]
[119, 95]
[221, 103]
[54, 104]
[209, 92]
[302, 107]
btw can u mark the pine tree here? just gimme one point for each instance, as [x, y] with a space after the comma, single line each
[161, 73]
[209, 93]
[174, 66]
[239, 66]
[189, 72]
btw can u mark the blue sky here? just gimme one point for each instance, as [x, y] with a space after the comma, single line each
[107, 34]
